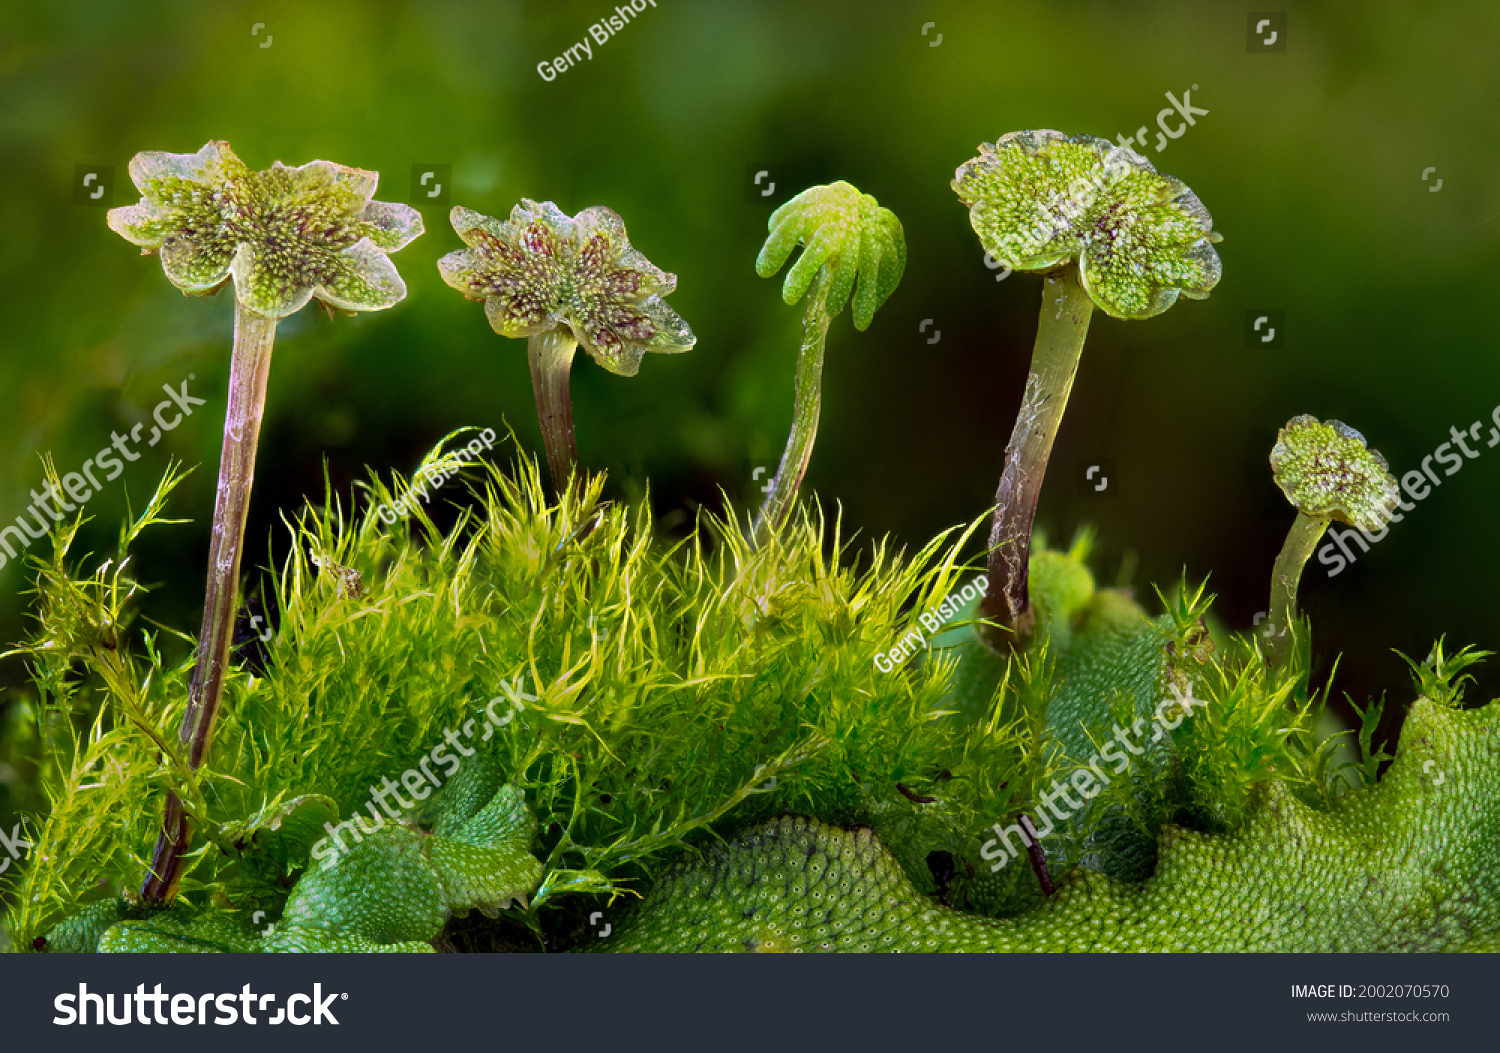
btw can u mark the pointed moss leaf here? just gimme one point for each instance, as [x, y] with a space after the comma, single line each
[1041, 199]
[1325, 469]
[1406, 865]
[285, 235]
[1441, 677]
[846, 236]
[543, 270]
[382, 887]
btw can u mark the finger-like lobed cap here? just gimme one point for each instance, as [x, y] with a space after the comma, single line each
[1041, 199]
[543, 269]
[285, 235]
[1326, 470]
[845, 234]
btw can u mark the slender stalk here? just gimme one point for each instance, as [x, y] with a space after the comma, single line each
[551, 355]
[1301, 540]
[1060, 333]
[248, 373]
[1037, 856]
[806, 402]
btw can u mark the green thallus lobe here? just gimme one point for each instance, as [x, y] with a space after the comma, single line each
[846, 237]
[1327, 472]
[284, 236]
[1405, 865]
[1107, 230]
[390, 891]
[560, 281]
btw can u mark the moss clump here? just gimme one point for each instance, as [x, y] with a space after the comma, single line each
[658, 691]
[642, 699]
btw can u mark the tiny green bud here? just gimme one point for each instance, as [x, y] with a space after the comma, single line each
[845, 233]
[846, 238]
[1326, 470]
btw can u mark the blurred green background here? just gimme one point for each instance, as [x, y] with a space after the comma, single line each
[1311, 160]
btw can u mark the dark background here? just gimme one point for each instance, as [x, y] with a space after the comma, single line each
[1240, 1002]
[1310, 159]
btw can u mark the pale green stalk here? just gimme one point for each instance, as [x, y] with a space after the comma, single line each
[551, 356]
[1064, 323]
[248, 373]
[806, 401]
[1301, 541]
